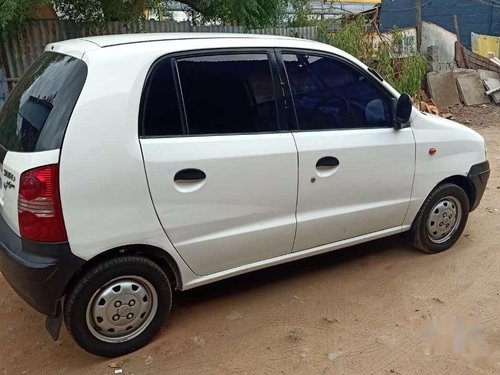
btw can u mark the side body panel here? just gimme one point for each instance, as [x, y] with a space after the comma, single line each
[104, 191]
[367, 192]
[244, 211]
[198, 281]
[458, 149]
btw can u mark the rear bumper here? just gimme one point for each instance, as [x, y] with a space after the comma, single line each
[479, 175]
[38, 272]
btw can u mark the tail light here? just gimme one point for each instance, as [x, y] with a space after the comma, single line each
[39, 205]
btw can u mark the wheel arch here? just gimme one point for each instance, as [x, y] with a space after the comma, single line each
[464, 183]
[461, 181]
[157, 255]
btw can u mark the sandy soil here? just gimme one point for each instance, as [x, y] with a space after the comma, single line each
[377, 308]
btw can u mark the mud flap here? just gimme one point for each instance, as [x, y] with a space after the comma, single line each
[53, 322]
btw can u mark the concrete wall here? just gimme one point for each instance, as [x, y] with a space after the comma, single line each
[408, 40]
[433, 35]
[481, 16]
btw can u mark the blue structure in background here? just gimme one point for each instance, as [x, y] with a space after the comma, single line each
[478, 16]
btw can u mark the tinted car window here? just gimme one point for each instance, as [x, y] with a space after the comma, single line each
[161, 114]
[230, 93]
[38, 110]
[329, 94]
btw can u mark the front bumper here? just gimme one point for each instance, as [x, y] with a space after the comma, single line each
[38, 272]
[479, 175]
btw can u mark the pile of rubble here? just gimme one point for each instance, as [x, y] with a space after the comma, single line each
[463, 86]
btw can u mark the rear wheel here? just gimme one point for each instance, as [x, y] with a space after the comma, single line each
[118, 306]
[441, 220]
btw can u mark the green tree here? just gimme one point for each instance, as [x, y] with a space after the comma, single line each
[251, 13]
[100, 11]
[303, 14]
[15, 13]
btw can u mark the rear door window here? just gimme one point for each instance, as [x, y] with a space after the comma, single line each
[38, 110]
[161, 115]
[228, 93]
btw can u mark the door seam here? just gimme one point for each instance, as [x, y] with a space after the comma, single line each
[297, 195]
[158, 216]
[414, 176]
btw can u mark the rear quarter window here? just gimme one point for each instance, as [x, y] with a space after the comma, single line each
[38, 110]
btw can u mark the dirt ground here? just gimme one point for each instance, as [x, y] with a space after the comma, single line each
[377, 308]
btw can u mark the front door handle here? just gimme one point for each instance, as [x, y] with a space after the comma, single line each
[190, 175]
[327, 162]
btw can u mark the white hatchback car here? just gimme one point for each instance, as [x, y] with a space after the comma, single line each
[137, 164]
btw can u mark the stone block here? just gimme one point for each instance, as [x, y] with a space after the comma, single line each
[471, 89]
[490, 84]
[443, 89]
[488, 74]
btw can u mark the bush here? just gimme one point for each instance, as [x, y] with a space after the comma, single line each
[404, 72]
[353, 39]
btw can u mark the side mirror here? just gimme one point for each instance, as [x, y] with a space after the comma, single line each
[403, 112]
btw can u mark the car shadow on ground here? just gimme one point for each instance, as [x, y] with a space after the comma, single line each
[285, 276]
[287, 272]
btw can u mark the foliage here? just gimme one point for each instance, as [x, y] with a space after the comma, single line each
[14, 14]
[404, 71]
[303, 14]
[384, 62]
[250, 13]
[410, 75]
[353, 39]
[101, 11]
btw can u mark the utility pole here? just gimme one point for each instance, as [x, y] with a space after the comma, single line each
[490, 17]
[457, 30]
[418, 13]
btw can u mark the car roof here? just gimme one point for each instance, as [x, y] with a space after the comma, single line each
[145, 48]
[119, 39]
[78, 47]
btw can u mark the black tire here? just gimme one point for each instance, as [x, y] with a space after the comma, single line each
[419, 234]
[97, 280]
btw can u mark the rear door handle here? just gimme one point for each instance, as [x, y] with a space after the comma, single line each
[190, 175]
[328, 162]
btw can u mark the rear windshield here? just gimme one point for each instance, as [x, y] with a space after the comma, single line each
[37, 111]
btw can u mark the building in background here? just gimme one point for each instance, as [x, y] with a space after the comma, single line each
[334, 8]
[474, 16]
[322, 8]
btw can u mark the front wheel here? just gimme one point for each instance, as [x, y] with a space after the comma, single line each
[118, 306]
[441, 220]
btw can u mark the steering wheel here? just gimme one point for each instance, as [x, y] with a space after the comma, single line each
[344, 113]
